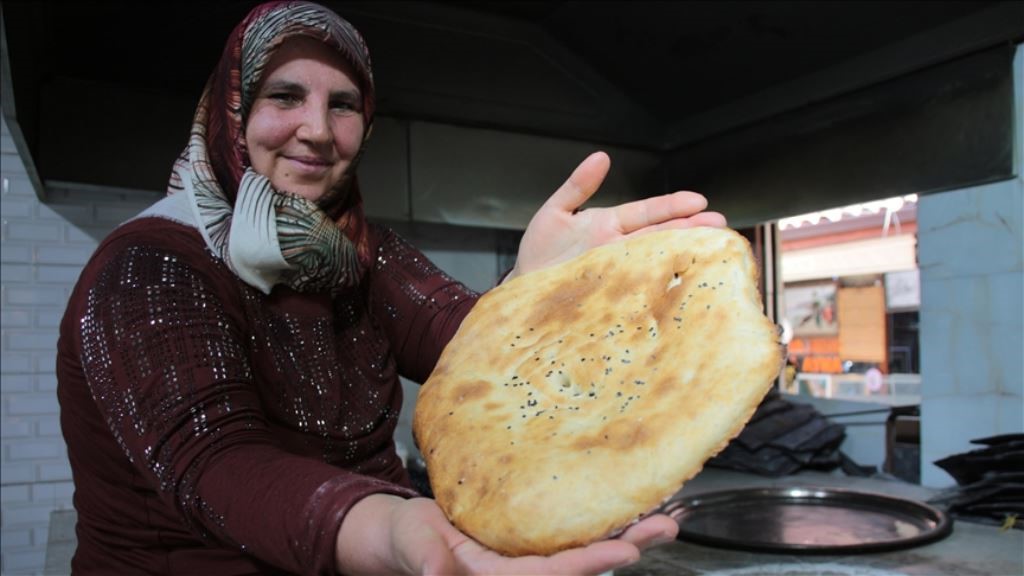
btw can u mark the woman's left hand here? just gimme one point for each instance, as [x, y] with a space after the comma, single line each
[434, 546]
[559, 231]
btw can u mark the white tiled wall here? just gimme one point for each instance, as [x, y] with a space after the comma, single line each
[971, 256]
[44, 248]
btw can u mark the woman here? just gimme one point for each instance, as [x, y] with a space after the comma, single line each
[228, 364]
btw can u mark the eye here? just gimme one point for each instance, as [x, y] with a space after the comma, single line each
[285, 98]
[344, 105]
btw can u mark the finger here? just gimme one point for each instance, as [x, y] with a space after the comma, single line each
[709, 219]
[652, 211]
[582, 183]
[594, 559]
[651, 531]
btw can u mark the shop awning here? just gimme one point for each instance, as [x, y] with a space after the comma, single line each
[872, 256]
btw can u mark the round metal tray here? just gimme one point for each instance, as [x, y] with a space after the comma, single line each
[800, 520]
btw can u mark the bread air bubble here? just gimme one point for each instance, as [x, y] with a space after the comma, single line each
[675, 281]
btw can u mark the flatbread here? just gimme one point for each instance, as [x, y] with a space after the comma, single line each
[576, 399]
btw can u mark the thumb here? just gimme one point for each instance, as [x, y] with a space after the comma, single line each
[582, 183]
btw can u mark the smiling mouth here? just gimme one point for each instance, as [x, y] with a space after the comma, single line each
[310, 161]
[306, 167]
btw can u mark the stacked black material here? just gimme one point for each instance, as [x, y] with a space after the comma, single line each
[782, 438]
[990, 482]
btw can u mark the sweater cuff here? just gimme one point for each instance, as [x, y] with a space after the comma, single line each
[338, 494]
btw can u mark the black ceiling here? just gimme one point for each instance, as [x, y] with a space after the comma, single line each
[677, 59]
[638, 74]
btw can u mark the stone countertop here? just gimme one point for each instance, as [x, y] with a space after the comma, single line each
[971, 549]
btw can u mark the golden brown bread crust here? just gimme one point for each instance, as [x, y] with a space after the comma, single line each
[577, 398]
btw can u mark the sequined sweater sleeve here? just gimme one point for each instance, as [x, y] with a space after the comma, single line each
[169, 439]
[420, 306]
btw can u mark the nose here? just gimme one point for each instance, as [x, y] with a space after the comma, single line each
[314, 126]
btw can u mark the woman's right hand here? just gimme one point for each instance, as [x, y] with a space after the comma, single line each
[384, 534]
[559, 231]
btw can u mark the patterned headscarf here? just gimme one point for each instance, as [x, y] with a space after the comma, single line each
[267, 236]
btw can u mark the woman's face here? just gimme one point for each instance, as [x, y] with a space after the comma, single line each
[306, 122]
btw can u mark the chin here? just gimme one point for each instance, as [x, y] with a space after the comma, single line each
[313, 195]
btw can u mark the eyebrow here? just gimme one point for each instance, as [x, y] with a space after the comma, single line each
[287, 86]
[284, 85]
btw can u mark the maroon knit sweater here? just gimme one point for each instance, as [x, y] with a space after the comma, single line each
[213, 429]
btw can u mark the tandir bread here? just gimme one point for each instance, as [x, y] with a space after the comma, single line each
[578, 398]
